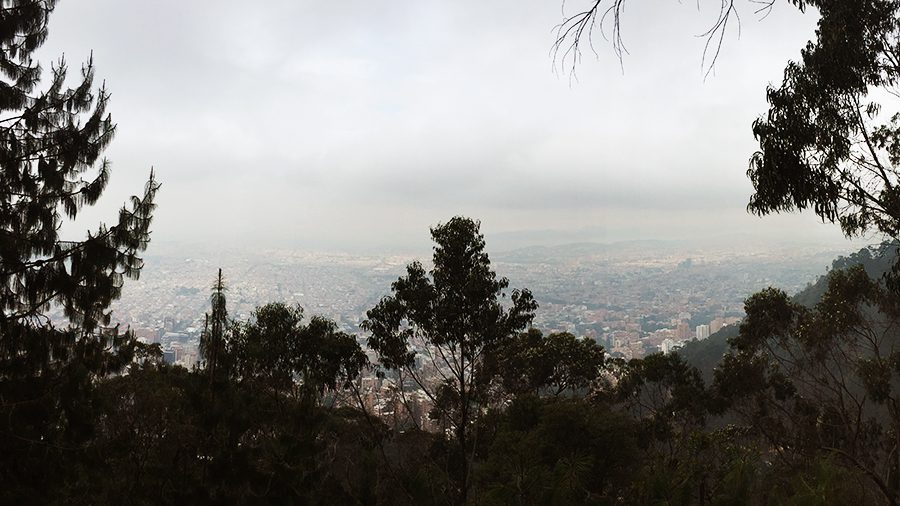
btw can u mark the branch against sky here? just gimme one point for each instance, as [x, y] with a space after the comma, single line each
[578, 30]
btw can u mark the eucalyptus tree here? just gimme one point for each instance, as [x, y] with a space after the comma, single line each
[822, 382]
[438, 328]
[830, 141]
[280, 353]
[553, 365]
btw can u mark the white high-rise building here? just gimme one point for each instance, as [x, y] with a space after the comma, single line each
[666, 346]
[702, 332]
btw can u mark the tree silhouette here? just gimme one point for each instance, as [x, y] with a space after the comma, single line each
[577, 31]
[824, 143]
[532, 363]
[213, 345]
[451, 318]
[51, 142]
[822, 381]
[280, 353]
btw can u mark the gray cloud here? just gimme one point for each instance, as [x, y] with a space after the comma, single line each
[344, 123]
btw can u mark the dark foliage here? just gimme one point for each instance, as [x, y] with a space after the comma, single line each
[821, 382]
[52, 137]
[557, 451]
[531, 363]
[455, 311]
[278, 353]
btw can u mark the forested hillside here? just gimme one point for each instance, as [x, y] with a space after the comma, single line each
[877, 261]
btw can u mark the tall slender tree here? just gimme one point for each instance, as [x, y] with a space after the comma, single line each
[452, 319]
[213, 340]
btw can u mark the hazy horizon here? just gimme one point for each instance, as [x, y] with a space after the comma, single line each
[356, 127]
[503, 243]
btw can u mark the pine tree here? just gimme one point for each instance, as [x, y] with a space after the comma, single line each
[212, 341]
[51, 141]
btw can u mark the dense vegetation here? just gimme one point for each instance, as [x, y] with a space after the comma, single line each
[798, 405]
[800, 409]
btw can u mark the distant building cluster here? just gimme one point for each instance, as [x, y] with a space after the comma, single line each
[632, 304]
[178, 348]
[636, 345]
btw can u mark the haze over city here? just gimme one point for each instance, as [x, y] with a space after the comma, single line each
[356, 126]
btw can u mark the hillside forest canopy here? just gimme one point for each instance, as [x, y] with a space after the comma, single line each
[799, 404]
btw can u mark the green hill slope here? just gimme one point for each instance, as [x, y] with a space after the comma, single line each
[877, 260]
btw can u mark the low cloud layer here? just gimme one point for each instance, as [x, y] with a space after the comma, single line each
[354, 124]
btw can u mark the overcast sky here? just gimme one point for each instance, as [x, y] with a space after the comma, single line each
[358, 124]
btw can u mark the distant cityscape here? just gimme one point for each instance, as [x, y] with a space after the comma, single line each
[633, 299]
